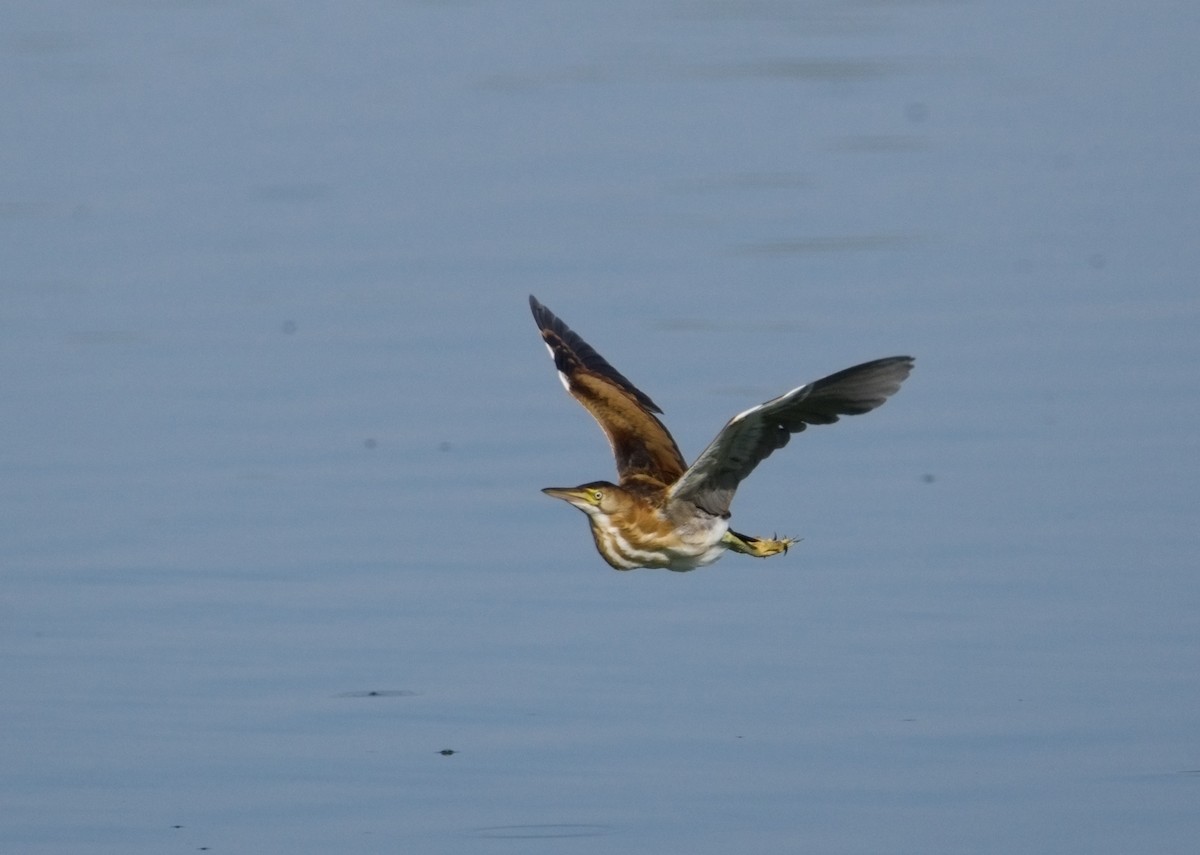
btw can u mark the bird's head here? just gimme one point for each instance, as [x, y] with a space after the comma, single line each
[595, 497]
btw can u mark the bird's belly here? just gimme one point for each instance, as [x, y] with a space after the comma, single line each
[699, 547]
[682, 563]
[664, 545]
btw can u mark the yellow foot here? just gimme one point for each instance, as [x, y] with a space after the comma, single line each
[756, 546]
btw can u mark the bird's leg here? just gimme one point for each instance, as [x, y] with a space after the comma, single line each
[756, 546]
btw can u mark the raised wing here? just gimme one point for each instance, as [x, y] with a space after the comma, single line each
[640, 442]
[751, 436]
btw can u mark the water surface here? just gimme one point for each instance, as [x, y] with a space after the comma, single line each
[277, 576]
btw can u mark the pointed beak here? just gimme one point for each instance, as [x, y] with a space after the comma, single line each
[567, 494]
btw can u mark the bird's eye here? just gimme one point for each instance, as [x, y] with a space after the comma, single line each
[597, 495]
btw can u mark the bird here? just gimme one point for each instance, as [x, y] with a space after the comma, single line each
[662, 513]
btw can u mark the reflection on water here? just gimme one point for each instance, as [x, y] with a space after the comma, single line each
[833, 243]
[831, 70]
[540, 832]
[742, 180]
[881, 143]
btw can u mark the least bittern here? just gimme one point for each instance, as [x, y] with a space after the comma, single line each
[664, 513]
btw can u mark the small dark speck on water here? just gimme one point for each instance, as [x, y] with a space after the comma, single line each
[928, 478]
[444, 446]
[446, 752]
[288, 327]
[370, 442]
[378, 693]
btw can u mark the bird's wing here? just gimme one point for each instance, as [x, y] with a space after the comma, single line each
[640, 442]
[751, 436]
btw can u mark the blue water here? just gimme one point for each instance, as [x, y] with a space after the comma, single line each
[274, 417]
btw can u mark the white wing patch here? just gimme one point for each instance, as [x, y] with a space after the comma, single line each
[562, 378]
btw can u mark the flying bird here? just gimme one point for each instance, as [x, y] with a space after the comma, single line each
[662, 512]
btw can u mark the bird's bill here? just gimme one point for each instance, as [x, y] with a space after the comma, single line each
[574, 495]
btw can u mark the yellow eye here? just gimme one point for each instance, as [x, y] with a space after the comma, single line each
[597, 495]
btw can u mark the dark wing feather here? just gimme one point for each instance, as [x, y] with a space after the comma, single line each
[640, 442]
[751, 436]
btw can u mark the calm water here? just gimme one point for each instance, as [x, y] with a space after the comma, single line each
[274, 416]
